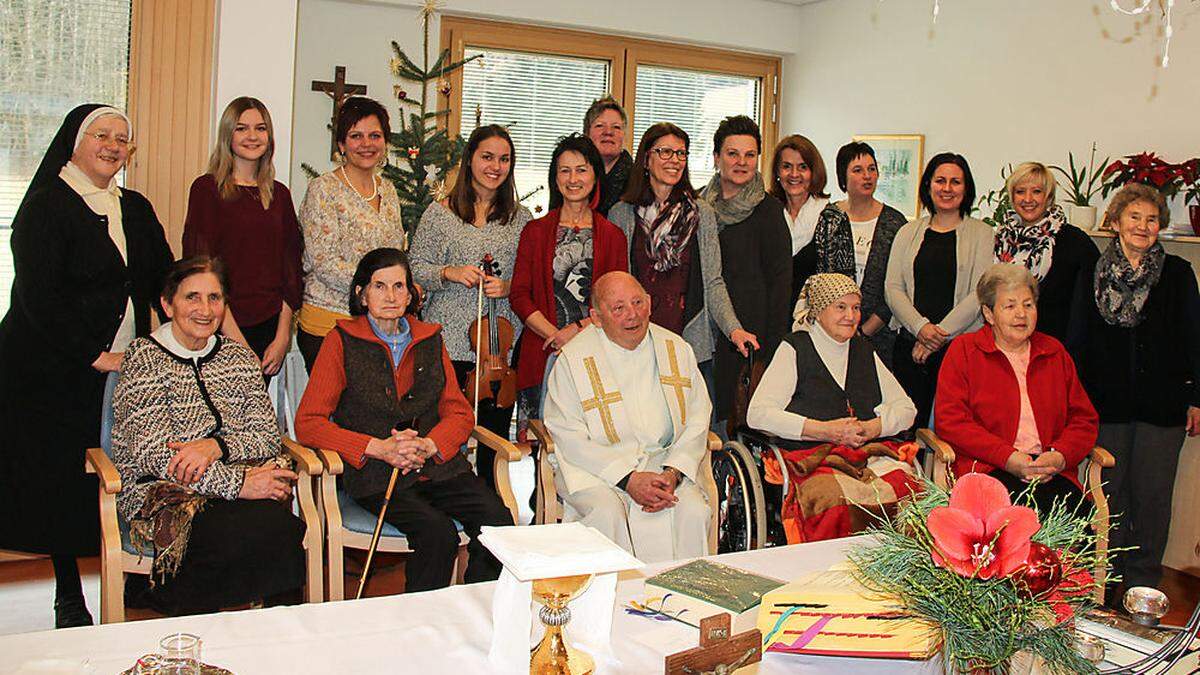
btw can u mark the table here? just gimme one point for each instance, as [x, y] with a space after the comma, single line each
[444, 631]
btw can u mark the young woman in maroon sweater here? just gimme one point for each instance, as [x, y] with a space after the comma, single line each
[239, 213]
[558, 257]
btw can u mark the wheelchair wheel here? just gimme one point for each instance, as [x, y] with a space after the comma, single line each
[770, 495]
[742, 520]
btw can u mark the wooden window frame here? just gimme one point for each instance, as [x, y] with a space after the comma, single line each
[624, 56]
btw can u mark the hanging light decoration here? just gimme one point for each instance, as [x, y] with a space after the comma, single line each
[1167, 30]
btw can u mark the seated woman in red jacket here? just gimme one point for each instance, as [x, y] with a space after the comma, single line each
[1008, 399]
[557, 258]
[383, 394]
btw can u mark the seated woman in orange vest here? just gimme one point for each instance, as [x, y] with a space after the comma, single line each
[383, 394]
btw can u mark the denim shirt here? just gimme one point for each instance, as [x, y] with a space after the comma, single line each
[396, 342]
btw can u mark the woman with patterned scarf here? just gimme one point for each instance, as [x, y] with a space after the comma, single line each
[1140, 364]
[835, 410]
[674, 250]
[1036, 235]
[197, 446]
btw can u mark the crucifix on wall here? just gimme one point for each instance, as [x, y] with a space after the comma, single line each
[339, 91]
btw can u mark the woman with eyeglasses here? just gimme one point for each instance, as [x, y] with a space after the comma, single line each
[674, 250]
[89, 258]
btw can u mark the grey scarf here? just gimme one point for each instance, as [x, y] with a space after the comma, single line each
[1121, 290]
[738, 208]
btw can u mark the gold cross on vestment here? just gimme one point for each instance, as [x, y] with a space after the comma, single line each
[601, 400]
[676, 381]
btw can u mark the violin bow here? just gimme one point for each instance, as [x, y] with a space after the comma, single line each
[387, 497]
[472, 444]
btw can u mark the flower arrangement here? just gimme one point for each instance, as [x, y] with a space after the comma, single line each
[1152, 170]
[992, 577]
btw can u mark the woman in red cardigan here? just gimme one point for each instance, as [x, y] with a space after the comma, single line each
[557, 258]
[1008, 397]
[383, 394]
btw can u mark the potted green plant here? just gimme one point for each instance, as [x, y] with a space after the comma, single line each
[1082, 183]
[996, 200]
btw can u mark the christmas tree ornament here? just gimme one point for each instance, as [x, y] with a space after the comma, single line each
[1041, 572]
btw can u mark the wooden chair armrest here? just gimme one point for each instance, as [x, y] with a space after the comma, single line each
[542, 434]
[714, 442]
[941, 449]
[332, 461]
[501, 446]
[99, 463]
[306, 460]
[1103, 457]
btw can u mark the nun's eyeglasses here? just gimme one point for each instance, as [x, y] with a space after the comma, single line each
[103, 138]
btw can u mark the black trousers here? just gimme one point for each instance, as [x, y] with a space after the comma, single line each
[1139, 488]
[259, 337]
[425, 512]
[1045, 493]
[310, 346]
[918, 379]
[495, 419]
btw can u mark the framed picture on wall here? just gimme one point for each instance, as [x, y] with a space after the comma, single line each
[901, 158]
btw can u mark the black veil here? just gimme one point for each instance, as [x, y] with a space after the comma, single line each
[59, 152]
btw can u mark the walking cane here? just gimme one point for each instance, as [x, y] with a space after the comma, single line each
[387, 497]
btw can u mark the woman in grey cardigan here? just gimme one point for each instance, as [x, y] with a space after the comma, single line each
[935, 262]
[673, 246]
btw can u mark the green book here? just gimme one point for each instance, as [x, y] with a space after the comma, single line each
[703, 588]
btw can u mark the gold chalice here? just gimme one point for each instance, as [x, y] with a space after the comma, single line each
[553, 655]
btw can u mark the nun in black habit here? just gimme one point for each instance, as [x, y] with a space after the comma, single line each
[89, 257]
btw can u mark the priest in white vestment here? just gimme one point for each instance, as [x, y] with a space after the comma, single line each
[629, 414]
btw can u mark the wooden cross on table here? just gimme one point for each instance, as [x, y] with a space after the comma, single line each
[339, 91]
[719, 653]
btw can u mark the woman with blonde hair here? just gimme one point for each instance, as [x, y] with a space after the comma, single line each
[239, 213]
[1036, 235]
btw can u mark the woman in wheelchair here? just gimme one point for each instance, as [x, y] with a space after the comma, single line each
[383, 394]
[1008, 400]
[834, 411]
[197, 446]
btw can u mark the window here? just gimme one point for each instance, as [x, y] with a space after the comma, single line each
[56, 55]
[544, 79]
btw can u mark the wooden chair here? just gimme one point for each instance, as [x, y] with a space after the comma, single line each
[943, 457]
[119, 556]
[349, 525]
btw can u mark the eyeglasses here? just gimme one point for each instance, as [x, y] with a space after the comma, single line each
[103, 138]
[665, 153]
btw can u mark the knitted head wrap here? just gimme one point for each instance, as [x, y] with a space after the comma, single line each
[821, 291]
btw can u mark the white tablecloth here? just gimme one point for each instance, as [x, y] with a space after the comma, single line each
[445, 631]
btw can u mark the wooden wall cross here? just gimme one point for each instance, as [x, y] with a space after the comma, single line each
[719, 652]
[339, 91]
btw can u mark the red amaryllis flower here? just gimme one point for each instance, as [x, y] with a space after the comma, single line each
[981, 533]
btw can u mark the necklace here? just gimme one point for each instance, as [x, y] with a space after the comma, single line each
[374, 185]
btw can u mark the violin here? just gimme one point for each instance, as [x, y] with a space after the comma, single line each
[492, 341]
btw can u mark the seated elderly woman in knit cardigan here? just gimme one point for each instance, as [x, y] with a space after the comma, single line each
[383, 394]
[1008, 399]
[197, 446]
[835, 411]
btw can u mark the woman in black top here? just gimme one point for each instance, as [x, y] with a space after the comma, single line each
[1036, 235]
[89, 258]
[1140, 362]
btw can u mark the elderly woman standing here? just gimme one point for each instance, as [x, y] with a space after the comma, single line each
[1140, 362]
[799, 183]
[934, 265]
[1036, 235]
[854, 237]
[605, 123]
[835, 408]
[89, 257]
[346, 213]
[1009, 401]
[197, 446]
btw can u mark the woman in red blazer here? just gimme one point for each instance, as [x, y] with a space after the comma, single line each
[1008, 397]
[558, 257]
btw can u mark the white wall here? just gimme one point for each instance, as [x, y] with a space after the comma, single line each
[256, 56]
[998, 81]
[770, 27]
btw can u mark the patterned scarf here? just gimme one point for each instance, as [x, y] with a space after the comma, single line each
[1029, 245]
[820, 291]
[669, 231]
[1121, 290]
[737, 208]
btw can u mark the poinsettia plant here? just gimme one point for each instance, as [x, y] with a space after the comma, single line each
[1150, 169]
[993, 577]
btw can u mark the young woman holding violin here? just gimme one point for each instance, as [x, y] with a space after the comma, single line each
[480, 217]
[558, 257]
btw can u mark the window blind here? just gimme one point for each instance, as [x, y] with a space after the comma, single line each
[696, 102]
[538, 97]
[57, 54]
